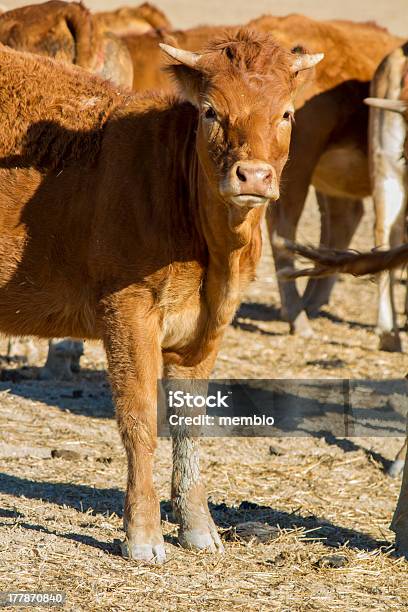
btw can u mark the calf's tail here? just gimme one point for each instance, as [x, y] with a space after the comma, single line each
[330, 261]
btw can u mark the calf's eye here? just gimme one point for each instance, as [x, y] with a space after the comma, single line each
[288, 115]
[210, 113]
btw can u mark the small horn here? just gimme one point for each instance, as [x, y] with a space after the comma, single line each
[185, 57]
[303, 61]
[397, 106]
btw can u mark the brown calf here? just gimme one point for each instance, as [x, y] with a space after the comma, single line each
[137, 220]
[329, 144]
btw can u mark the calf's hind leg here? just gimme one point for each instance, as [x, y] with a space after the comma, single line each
[189, 499]
[132, 345]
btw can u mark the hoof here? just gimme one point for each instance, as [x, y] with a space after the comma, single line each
[301, 326]
[201, 539]
[396, 468]
[62, 373]
[149, 553]
[313, 311]
[390, 342]
[75, 365]
[317, 295]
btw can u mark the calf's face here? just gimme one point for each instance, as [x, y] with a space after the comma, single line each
[243, 86]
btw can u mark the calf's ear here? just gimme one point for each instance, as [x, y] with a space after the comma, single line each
[186, 73]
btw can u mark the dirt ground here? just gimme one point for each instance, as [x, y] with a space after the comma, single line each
[60, 517]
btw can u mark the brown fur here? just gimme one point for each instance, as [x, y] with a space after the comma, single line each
[344, 43]
[67, 32]
[133, 20]
[62, 102]
[129, 235]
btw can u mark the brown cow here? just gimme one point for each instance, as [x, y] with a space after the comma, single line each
[329, 144]
[67, 32]
[137, 220]
[330, 261]
[133, 20]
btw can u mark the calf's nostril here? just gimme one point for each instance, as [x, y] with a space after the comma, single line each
[241, 175]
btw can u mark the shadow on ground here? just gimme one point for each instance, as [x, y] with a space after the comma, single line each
[264, 312]
[83, 498]
[88, 394]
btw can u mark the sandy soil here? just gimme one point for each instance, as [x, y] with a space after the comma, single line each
[60, 518]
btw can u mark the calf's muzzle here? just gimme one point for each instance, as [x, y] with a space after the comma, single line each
[252, 183]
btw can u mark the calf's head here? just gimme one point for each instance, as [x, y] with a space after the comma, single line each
[243, 85]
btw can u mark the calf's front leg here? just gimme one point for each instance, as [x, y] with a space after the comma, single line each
[132, 345]
[197, 529]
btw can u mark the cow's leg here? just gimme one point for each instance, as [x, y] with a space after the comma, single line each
[306, 148]
[400, 519]
[131, 340]
[25, 348]
[282, 218]
[63, 359]
[340, 219]
[387, 133]
[189, 499]
[390, 204]
[397, 465]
